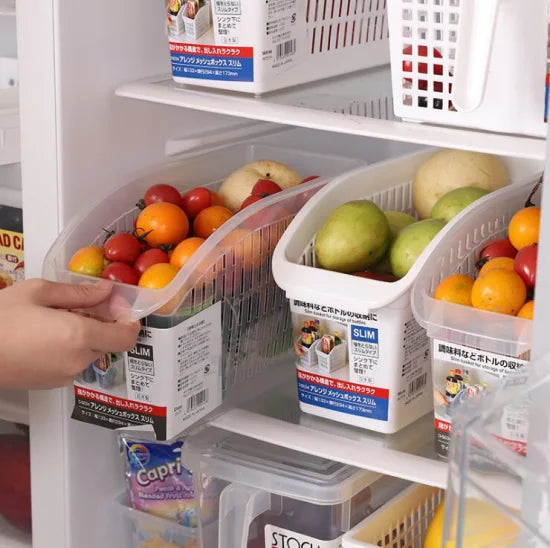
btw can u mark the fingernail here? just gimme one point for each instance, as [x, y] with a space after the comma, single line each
[104, 285]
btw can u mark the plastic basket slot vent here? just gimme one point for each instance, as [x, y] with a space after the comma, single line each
[337, 24]
[428, 36]
[410, 530]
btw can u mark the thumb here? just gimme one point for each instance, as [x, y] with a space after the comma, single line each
[67, 296]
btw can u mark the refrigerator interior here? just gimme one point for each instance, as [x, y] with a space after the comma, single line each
[82, 137]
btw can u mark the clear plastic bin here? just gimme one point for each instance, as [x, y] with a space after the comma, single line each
[482, 345]
[257, 47]
[470, 64]
[236, 239]
[401, 522]
[141, 530]
[269, 493]
[209, 331]
[494, 493]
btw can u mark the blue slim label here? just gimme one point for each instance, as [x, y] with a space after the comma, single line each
[224, 63]
[364, 334]
[343, 396]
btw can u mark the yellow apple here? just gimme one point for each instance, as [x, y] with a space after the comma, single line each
[238, 186]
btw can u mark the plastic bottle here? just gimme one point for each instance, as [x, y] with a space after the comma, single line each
[314, 330]
[306, 337]
[337, 339]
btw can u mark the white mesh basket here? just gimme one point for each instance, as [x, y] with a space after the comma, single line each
[401, 522]
[468, 63]
[272, 45]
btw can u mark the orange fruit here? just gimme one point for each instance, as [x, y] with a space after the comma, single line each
[523, 229]
[162, 223]
[216, 199]
[184, 250]
[455, 289]
[498, 263]
[527, 311]
[499, 291]
[158, 275]
[209, 220]
[249, 248]
[88, 260]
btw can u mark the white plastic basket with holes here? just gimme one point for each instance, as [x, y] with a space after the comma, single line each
[374, 317]
[401, 522]
[333, 361]
[257, 47]
[484, 346]
[470, 63]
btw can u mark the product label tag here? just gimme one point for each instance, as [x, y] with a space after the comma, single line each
[343, 396]
[277, 537]
[461, 373]
[172, 378]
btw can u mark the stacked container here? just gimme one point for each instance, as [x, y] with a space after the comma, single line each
[479, 64]
[256, 47]
[271, 496]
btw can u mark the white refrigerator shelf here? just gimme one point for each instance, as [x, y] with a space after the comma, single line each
[357, 104]
[9, 126]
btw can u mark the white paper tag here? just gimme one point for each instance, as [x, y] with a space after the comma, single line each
[277, 537]
[497, 365]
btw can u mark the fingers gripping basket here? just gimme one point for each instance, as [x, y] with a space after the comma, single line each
[477, 345]
[470, 63]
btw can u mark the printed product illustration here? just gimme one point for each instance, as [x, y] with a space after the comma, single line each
[462, 373]
[12, 266]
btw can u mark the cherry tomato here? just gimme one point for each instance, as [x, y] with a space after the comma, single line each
[376, 276]
[216, 199]
[163, 193]
[150, 257]
[249, 201]
[525, 264]
[162, 224]
[88, 260]
[122, 247]
[121, 272]
[494, 249]
[158, 276]
[265, 187]
[209, 220]
[423, 67]
[196, 200]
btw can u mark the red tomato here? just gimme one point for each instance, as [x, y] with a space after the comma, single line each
[123, 247]
[265, 187]
[525, 264]
[422, 51]
[163, 193]
[121, 272]
[249, 201]
[150, 257]
[494, 249]
[196, 200]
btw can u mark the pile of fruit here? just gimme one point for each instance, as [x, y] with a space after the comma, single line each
[170, 227]
[359, 238]
[506, 276]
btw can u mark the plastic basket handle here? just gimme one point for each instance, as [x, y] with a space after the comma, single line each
[239, 506]
[476, 31]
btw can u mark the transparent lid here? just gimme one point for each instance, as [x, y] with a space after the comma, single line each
[278, 470]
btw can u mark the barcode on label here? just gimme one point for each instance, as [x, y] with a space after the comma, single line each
[286, 48]
[418, 383]
[197, 399]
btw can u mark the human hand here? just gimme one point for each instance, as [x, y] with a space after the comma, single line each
[43, 344]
